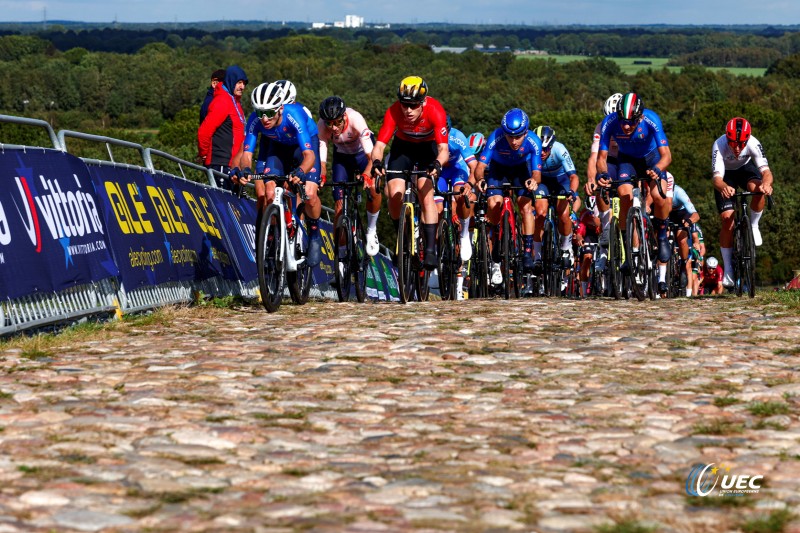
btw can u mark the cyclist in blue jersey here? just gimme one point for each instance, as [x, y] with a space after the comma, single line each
[512, 153]
[558, 177]
[686, 216]
[457, 173]
[643, 152]
[290, 146]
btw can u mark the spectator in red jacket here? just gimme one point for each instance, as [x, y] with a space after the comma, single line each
[220, 136]
[217, 77]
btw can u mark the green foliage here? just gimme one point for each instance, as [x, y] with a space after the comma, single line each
[157, 90]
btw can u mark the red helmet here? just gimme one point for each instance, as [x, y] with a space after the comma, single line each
[738, 131]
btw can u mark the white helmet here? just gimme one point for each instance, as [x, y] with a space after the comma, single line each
[712, 262]
[611, 104]
[268, 96]
[290, 92]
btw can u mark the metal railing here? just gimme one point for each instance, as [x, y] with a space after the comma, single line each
[32, 122]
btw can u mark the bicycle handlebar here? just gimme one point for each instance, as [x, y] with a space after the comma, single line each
[743, 194]
[298, 188]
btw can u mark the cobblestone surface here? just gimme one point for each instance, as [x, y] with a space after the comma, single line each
[527, 415]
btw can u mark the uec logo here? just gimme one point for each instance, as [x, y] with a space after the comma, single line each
[703, 479]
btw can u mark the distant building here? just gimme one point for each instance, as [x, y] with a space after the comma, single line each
[451, 49]
[350, 21]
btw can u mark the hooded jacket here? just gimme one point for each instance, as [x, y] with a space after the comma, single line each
[221, 134]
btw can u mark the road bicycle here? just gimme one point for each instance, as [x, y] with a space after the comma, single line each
[281, 245]
[510, 241]
[412, 276]
[553, 260]
[449, 257]
[744, 249]
[478, 265]
[352, 262]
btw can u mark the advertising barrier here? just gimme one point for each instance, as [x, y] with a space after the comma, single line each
[66, 224]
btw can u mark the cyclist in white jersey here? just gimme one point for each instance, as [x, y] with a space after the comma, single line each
[738, 160]
[609, 107]
[352, 143]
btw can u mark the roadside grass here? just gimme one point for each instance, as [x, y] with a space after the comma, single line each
[775, 522]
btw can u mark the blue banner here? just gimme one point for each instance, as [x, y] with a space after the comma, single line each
[238, 221]
[52, 236]
[161, 228]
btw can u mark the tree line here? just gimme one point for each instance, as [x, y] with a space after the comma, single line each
[153, 96]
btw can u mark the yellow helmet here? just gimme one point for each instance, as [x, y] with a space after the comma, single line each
[412, 90]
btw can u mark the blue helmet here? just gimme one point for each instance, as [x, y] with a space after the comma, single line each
[515, 122]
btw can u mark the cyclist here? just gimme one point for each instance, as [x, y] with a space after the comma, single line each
[712, 277]
[643, 152]
[587, 232]
[457, 174]
[685, 216]
[291, 147]
[513, 153]
[352, 145]
[418, 124]
[738, 160]
[558, 176]
[609, 107]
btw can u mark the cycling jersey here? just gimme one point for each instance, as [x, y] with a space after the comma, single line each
[680, 200]
[613, 148]
[459, 148]
[296, 129]
[712, 277]
[558, 162]
[431, 125]
[497, 149]
[356, 137]
[646, 138]
[723, 158]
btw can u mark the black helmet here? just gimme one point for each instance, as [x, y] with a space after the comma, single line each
[332, 108]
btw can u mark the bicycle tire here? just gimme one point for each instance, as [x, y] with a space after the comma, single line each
[637, 261]
[652, 248]
[423, 275]
[447, 261]
[738, 259]
[505, 256]
[269, 259]
[517, 274]
[480, 277]
[405, 236]
[614, 260]
[749, 263]
[361, 260]
[342, 266]
[300, 281]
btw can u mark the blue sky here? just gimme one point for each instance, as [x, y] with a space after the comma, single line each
[406, 11]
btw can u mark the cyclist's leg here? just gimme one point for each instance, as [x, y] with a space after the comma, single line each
[540, 213]
[725, 208]
[341, 172]
[750, 173]
[312, 206]
[525, 203]
[399, 159]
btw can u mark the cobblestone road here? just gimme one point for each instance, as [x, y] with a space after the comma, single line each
[528, 415]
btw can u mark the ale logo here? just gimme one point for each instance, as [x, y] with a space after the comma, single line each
[704, 479]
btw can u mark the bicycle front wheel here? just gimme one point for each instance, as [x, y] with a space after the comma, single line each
[615, 260]
[269, 259]
[405, 271]
[344, 258]
[506, 259]
[749, 257]
[636, 246]
[448, 264]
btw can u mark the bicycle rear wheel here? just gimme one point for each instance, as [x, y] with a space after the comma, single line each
[422, 274]
[269, 259]
[343, 263]
[738, 259]
[360, 261]
[405, 271]
[636, 246]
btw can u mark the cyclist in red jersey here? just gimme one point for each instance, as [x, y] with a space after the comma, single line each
[418, 124]
[712, 277]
